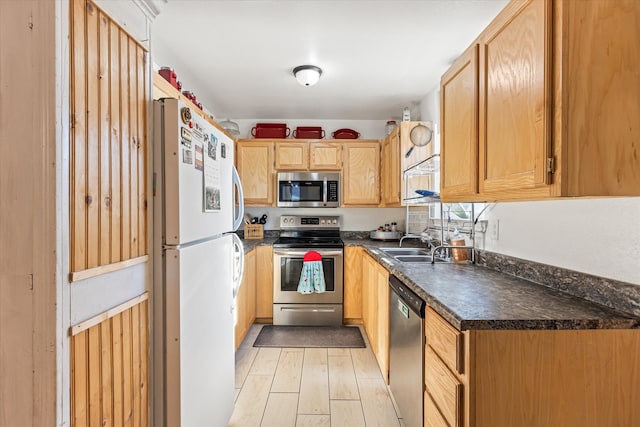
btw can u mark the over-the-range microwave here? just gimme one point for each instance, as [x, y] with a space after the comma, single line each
[309, 189]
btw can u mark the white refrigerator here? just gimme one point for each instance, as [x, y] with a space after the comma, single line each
[197, 268]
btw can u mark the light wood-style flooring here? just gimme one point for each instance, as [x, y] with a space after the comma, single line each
[300, 387]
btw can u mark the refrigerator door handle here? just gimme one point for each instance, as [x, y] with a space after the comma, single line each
[238, 263]
[240, 213]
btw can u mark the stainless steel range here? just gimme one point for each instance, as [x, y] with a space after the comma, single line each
[298, 235]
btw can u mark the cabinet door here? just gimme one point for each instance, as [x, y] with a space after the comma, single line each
[360, 175]
[292, 156]
[369, 301]
[515, 102]
[459, 131]
[264, 283]
[255, 167]
[246, 299]
[325, 156]
[391, 174]
[424, 182]
[382, 323]
[353, 284]
[601, 54]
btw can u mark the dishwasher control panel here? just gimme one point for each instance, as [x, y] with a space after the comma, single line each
[413, 301]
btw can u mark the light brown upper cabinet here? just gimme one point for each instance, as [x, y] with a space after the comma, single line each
[254, 161]
[308, 155]
[325, 156]
[390, 174]
[361, 173]
[556, 105]
[292, 156]
[395, 161]
[515, 100]
[459, 116]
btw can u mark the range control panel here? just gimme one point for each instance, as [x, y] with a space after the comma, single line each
[309, 222]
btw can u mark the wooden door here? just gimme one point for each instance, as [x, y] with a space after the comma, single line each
[515, 101]
[361, 174]
[391, 176]
[110, 367]
[31, 281]
[353, 284]
[459, 131]
[264, 283]
[108, 151]
[255, 166]
[325, 156]
[292, 156]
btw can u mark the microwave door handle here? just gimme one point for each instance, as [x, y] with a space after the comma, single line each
[324, 191]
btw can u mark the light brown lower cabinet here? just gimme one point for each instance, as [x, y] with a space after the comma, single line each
[375, 310]
[246, 299]
[264, 284]
[531, 378]
[353, 284]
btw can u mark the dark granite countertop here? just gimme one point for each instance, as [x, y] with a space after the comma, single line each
[476, 297]
[249, 244]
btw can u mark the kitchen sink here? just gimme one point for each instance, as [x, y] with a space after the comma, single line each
[395, 252]
[414, 258]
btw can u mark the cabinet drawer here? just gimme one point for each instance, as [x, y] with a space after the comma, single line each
[432, 415]
[443, 387]
[445, 340]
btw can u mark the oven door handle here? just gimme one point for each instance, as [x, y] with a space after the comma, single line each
[305, 309]
[301, 253]
[324, 190]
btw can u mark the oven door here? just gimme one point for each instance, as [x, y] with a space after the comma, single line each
[287, 267]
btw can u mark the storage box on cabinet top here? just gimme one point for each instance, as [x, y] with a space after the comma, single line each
[308, 132]
[346, 134]
[270, 130]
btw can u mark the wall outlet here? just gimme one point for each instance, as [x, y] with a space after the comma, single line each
[494, 229]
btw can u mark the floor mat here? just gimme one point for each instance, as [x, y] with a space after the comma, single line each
[309, 336]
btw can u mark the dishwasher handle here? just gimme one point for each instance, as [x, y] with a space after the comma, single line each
[413, 301]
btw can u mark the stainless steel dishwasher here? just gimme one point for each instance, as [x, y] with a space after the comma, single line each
[406, 354]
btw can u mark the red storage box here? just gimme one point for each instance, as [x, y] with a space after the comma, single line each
[170, 76]
[308, 132]
[270, 130]
[346, 134]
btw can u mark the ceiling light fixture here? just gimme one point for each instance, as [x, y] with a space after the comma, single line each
[307, 75]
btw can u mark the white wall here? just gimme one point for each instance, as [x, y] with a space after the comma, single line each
[595, 236]
[353, 219]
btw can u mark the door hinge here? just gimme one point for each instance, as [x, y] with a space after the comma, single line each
[550, 165]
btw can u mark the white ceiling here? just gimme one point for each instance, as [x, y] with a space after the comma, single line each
[377, 56]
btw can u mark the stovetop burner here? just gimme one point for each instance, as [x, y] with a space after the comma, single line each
[299, 231]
